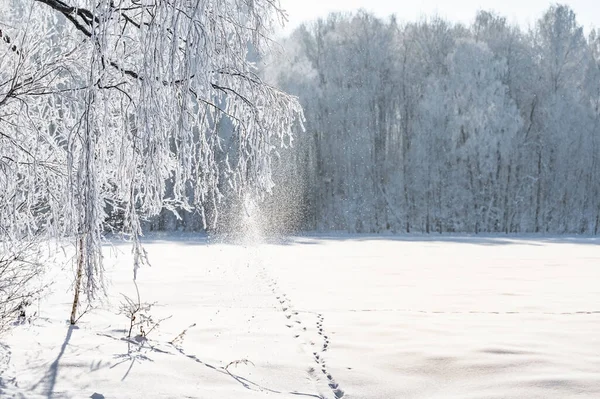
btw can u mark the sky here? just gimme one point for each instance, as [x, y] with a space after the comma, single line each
[523, 12]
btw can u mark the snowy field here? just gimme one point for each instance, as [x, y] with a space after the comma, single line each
[352, 317]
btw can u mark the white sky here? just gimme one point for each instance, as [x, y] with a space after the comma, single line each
[524, 12]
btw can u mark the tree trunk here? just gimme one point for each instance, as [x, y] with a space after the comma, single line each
[77, 282]
[538, 195]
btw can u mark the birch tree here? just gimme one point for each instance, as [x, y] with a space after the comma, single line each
[137, 103]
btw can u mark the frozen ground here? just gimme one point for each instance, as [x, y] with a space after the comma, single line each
[358, 317]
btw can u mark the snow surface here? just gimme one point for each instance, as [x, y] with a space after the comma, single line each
[346, 316]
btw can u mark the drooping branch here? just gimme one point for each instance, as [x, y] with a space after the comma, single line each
[146, 104]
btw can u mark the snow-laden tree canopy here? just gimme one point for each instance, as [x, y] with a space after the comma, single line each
[103, 104]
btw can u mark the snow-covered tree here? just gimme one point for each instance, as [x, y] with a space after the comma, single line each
[136, 104]
[470, 123]
[433, 126]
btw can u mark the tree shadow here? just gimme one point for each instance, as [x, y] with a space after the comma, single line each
[136, 352]
[49, 378]
[246, 383]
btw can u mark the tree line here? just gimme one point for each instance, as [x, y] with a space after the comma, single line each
[440, 127]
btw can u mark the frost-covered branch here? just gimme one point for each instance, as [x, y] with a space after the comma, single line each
[130, 103]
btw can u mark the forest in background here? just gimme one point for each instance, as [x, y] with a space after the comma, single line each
[440, 127]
